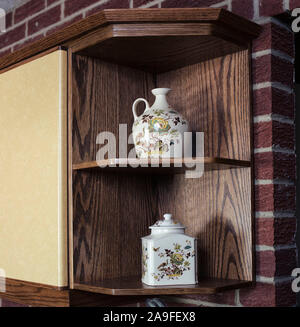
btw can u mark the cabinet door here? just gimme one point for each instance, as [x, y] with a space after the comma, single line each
[33, 170]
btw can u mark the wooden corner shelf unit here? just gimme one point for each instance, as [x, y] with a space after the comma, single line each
[114, 57]
[203, 56]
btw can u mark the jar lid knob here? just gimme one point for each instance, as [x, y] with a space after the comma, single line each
[168, 216]
[167, 223]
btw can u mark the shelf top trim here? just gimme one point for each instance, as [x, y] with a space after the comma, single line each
[106, 17]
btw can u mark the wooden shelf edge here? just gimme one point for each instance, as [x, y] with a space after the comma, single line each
[133, 287]
[39, 295]
[128, 163]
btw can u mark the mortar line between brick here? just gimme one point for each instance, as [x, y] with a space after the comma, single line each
[276, 85]
[150, 4]
[95, 5]
[237, 298]
[263, 248]
[63, 10]
[26, 30]
[230, 5]
[255, 9]
[274, 182]
[267, 280]
[273, 52]
[273, 280]
[275, 215]
[262, 20]
[220, 4]
[54, 4]
[273, 117]
[286, 4]
[274, 149]
[12, 19]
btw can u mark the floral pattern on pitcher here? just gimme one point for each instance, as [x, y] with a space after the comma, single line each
[176, 261]
[159, 142]
[158, 131]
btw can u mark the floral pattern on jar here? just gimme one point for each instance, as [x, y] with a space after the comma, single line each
[177, 261]
[145, 258]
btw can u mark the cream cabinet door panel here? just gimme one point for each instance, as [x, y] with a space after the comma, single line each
[33, 170]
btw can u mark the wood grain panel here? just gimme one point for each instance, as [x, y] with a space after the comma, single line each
[217, 210]
[108, 209]
[102, 95]
[111, 213]
[214, 96]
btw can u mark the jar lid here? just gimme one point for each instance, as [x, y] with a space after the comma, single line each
[167, 222]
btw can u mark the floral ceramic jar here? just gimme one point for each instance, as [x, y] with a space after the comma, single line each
[159, 131]
[169, 256]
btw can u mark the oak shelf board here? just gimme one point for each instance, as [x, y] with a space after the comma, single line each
[133, 286]
[160, 47]
[123, 165]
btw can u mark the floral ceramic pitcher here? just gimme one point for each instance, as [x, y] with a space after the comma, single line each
[159, 131]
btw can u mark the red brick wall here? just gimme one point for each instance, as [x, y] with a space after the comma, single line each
[274, 109]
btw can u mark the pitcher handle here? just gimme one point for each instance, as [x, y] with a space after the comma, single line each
[136, 102]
